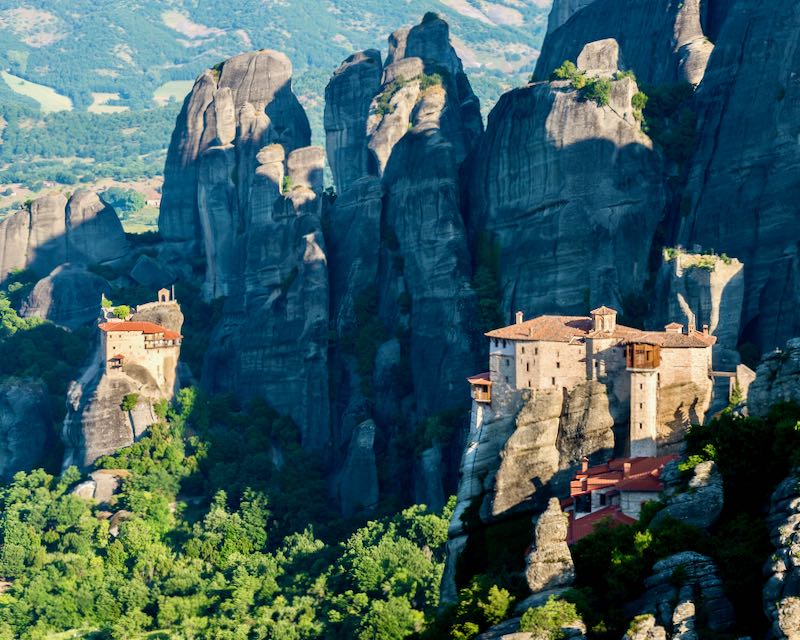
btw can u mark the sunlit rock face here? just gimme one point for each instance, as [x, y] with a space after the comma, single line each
[571, 191]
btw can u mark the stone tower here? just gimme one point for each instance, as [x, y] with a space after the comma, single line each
[643, 361]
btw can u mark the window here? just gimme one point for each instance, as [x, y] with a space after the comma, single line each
[536, 351]
[603, 500]
[523, 349]
[529, 384]
[504, 344]
[641, 406]
[506, 379]
[507, 362]
[641, 386]
[554, 381]
[527, 366]
[558, 365]
[640, 426]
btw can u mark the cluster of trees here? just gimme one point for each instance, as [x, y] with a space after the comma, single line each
[181, 564]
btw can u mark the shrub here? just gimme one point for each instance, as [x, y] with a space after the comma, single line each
[430, 80]
[598, 90]
[287, 184]
[567, 71]
[130, 401]
[639, 102]
[549, 619]
[123, 312]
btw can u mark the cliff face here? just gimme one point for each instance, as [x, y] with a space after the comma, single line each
[53, 230]
[661, 40]
[25, 423]
[742, 187]
[569, 191]
[400, 264]
[243, 189]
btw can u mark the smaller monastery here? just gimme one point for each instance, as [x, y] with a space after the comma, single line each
[141, 345]
[612, 492]
[556, 353]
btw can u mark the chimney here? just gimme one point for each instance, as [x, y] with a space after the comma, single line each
[626, 469]
[519, 317]
[705, 329]
[172, 293]
[584, 464]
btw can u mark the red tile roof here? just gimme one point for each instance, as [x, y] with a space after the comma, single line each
[480, 378]
[568, 328]
[147, 328]
[643, 475]
[547, 328]
[582, 527]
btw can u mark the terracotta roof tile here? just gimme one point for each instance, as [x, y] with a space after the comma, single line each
[582, 527]
[568, 328]
[604, 311]
[147, 328]
[547, 328]
[480, 378]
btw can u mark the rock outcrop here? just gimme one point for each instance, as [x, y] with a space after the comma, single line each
[701, 505]
[549, 564]
[243, 189]
[52, 230]
[25, 424]
[96, 423]
[399, 261]
[777, 379]
[662, 41]
[358, 488]
[742, 187]
[68, 296]
[782, 589]
[678, 585]
[569, 190]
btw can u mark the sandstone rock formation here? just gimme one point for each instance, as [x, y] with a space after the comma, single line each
[782, 589]
[243, 189]
[553, 432]
[777, 379]
[52, 230]
[68, 296]
[678, 584]
[701, 505]
[549, 564]
[570, 191]
[398, 254]
[741, 189]
[25, 423]
[662, 41]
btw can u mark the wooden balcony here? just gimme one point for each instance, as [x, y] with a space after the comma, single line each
[481, 388]
[642, 356]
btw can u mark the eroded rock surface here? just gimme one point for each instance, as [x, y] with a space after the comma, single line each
[358, 488]
[782, 570]
[661, 40]
[549, 564]
[52, 230]
[68, 296]
[572, 192]
[777, 379]
[701, 505]
[25, 423]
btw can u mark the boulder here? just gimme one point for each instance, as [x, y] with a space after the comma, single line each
[549, 564]
[150, 272]
[69, 296]
[701, 505]
[777, 379]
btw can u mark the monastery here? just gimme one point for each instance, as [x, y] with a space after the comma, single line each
[557, 353]
[131, 344]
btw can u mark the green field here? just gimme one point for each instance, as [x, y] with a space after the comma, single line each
[175, 89]
[48, 99]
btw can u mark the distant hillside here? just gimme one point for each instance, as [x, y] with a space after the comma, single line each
[116, 56]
